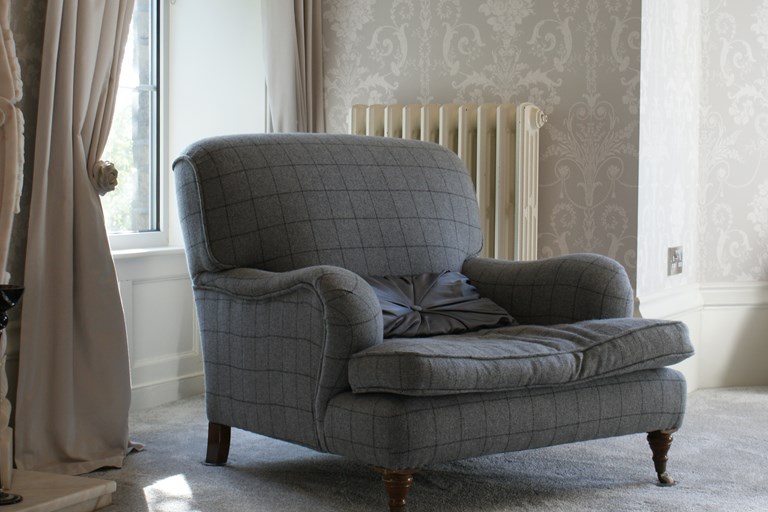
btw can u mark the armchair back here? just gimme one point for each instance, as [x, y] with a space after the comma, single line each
[278, 202]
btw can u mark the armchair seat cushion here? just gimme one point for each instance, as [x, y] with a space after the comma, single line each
[520, 356]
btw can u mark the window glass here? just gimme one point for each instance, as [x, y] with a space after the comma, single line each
[132, 146]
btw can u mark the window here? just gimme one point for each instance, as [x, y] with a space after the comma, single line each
[133, 145]
[217, 87]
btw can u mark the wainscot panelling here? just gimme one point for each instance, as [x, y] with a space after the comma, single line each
[163, 336]
[728, 323]
[735, 323]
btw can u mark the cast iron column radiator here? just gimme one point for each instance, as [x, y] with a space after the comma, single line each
[499, 145]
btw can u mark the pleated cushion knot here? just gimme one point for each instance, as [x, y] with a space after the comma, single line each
[434, 303]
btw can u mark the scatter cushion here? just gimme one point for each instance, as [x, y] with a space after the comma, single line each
[434, 303]
[514, 357]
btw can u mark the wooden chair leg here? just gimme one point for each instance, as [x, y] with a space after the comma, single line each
[660, 441]
[218, 444]
[396, 483]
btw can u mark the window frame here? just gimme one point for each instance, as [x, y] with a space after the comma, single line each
[159, 237]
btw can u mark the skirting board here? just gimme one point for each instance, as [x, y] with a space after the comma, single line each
[735, 323]
[727, 322]
[158, 393]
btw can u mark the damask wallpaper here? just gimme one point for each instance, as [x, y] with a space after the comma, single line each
[668, 184]
[579, 60]
[733, 195]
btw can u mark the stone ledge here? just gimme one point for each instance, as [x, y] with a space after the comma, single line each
[49, 492]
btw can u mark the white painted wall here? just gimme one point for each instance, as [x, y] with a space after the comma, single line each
[214, 84]
[215, 78]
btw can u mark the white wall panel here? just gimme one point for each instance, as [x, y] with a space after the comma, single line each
[163, 336]
[162, 321]
[729, 329]
[735, 345]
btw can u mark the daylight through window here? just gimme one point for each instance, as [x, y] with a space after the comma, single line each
[133, 142]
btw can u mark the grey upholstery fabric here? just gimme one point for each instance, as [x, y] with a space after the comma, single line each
[506, 358]
[280, 202]
[409, 432]
[434, 303]
[556, 290]
[275, 346]
[278, 230]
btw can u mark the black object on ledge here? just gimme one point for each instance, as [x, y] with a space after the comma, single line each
[10, 295]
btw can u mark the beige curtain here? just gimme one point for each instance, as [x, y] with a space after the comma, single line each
[74, 382]
[293, 58]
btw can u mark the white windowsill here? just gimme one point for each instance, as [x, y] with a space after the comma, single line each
[124, 254]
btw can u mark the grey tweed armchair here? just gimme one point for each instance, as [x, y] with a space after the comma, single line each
[281, 232]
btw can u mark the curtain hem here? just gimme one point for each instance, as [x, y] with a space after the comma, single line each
[83, 467]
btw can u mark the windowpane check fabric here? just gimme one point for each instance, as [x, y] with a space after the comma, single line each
[280, 230]
[276, 345]
[372, 205]
[556, 290]
[506, 358]
[409, 432]
[432, 304]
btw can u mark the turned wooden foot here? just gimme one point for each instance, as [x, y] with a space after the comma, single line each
[218, 444]
[660, 441]
[396, 483]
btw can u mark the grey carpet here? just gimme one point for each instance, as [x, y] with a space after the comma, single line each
[719, 457]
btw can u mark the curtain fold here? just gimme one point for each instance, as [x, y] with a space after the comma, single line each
[308, 20]
[293, 60]
[74, 381]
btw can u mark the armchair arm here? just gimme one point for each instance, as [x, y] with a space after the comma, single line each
[276, 345]
[563, 289]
